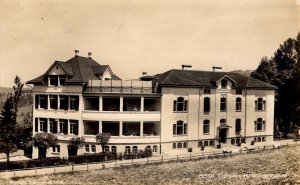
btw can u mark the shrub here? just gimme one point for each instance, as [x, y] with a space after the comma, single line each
[148, 152]
[190, 149]
[252, 142]
[219, 146]
[202, 147]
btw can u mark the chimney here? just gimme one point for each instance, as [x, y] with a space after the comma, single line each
[90, 54]
[76, 52]
[144, 73]
[215, 68]
[183, 66]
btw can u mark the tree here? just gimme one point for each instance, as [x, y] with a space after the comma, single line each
[25, 134]
[282, 70]
[103, 139]
[9, 135]
[74, 144]
[8, 132]
[43, 141]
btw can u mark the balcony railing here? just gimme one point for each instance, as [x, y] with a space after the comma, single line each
[119, 86]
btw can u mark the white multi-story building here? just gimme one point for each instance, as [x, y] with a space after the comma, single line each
[174, 110]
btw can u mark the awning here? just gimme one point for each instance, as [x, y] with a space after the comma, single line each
[224, 126]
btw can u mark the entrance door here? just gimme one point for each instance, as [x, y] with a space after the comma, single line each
[223, 135]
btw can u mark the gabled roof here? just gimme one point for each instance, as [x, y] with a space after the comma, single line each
[193, 78]
[78, 69]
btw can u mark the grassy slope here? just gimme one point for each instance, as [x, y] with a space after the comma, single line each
[284, 161]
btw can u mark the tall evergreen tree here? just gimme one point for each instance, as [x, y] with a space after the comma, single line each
[282, 70]
[9, 135]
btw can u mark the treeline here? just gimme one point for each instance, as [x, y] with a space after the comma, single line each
[283, 70]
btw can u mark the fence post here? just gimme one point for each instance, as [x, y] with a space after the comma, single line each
[116, 164]
[35, 171]
[132, 161]
[162, 159]
[54, 170]
[87, 166]
[72, 167]
[177, 157]
[147, 160]
[190, 156]
[14, 173]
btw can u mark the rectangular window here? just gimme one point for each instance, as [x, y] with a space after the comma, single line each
[63, 126]
[238, 104]
[223, 105]
[53, 80]
[206, 91]
[206, 127]
[62, 80]
[74, 102]
[74, 127]
[53, 126]
[56, 149]
[43, 101]
[43, 125]
[36, 120]
[63, 102]
[238, 91]
[53, 101]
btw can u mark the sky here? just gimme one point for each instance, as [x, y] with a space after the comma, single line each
[142, 36]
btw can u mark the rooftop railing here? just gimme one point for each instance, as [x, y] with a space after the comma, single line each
[119, 86]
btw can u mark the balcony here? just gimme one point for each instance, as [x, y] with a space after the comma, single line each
[119, 86]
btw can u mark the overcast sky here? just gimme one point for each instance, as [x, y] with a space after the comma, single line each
[137, 36]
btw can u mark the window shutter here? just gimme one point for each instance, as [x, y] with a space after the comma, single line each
[76, 128]
[36, 101]
[45, 128]
[255, 104]
[54, 126]
[174, 129]
[174, 105]
[185, 105]
[36, 124]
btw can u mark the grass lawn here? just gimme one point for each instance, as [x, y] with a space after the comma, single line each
[280, 166]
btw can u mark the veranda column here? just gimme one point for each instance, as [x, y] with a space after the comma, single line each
[100, 126]
[100, 104]
[142, 104]
[121, 103]
[120, 128]
[141, 128]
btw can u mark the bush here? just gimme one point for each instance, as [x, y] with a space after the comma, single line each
[202, 147]
[219, 146]
[148, 152]
[190, 149]
[252, 142]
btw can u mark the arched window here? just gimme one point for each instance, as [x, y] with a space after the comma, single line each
[211, 143]
[206, 126]
[260, 104]
[127, 149]
[93, 148]
[174, 145]
[134, 149]
[184, 144]
[106, 149]
[238, 104]
[205, 143]
[206, 107]
[87, 148]
[180, 105]
[259, 124]
[223, 105]
[222, 121]
[200, 144]
[179, 128]
[155, 148]
[179, 145]
[114, 149]
[237, 126]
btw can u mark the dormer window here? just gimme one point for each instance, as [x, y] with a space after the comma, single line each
[224, 84]
[57, 80]
[53, 80]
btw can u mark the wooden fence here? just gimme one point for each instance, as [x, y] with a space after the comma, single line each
[142, 161]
